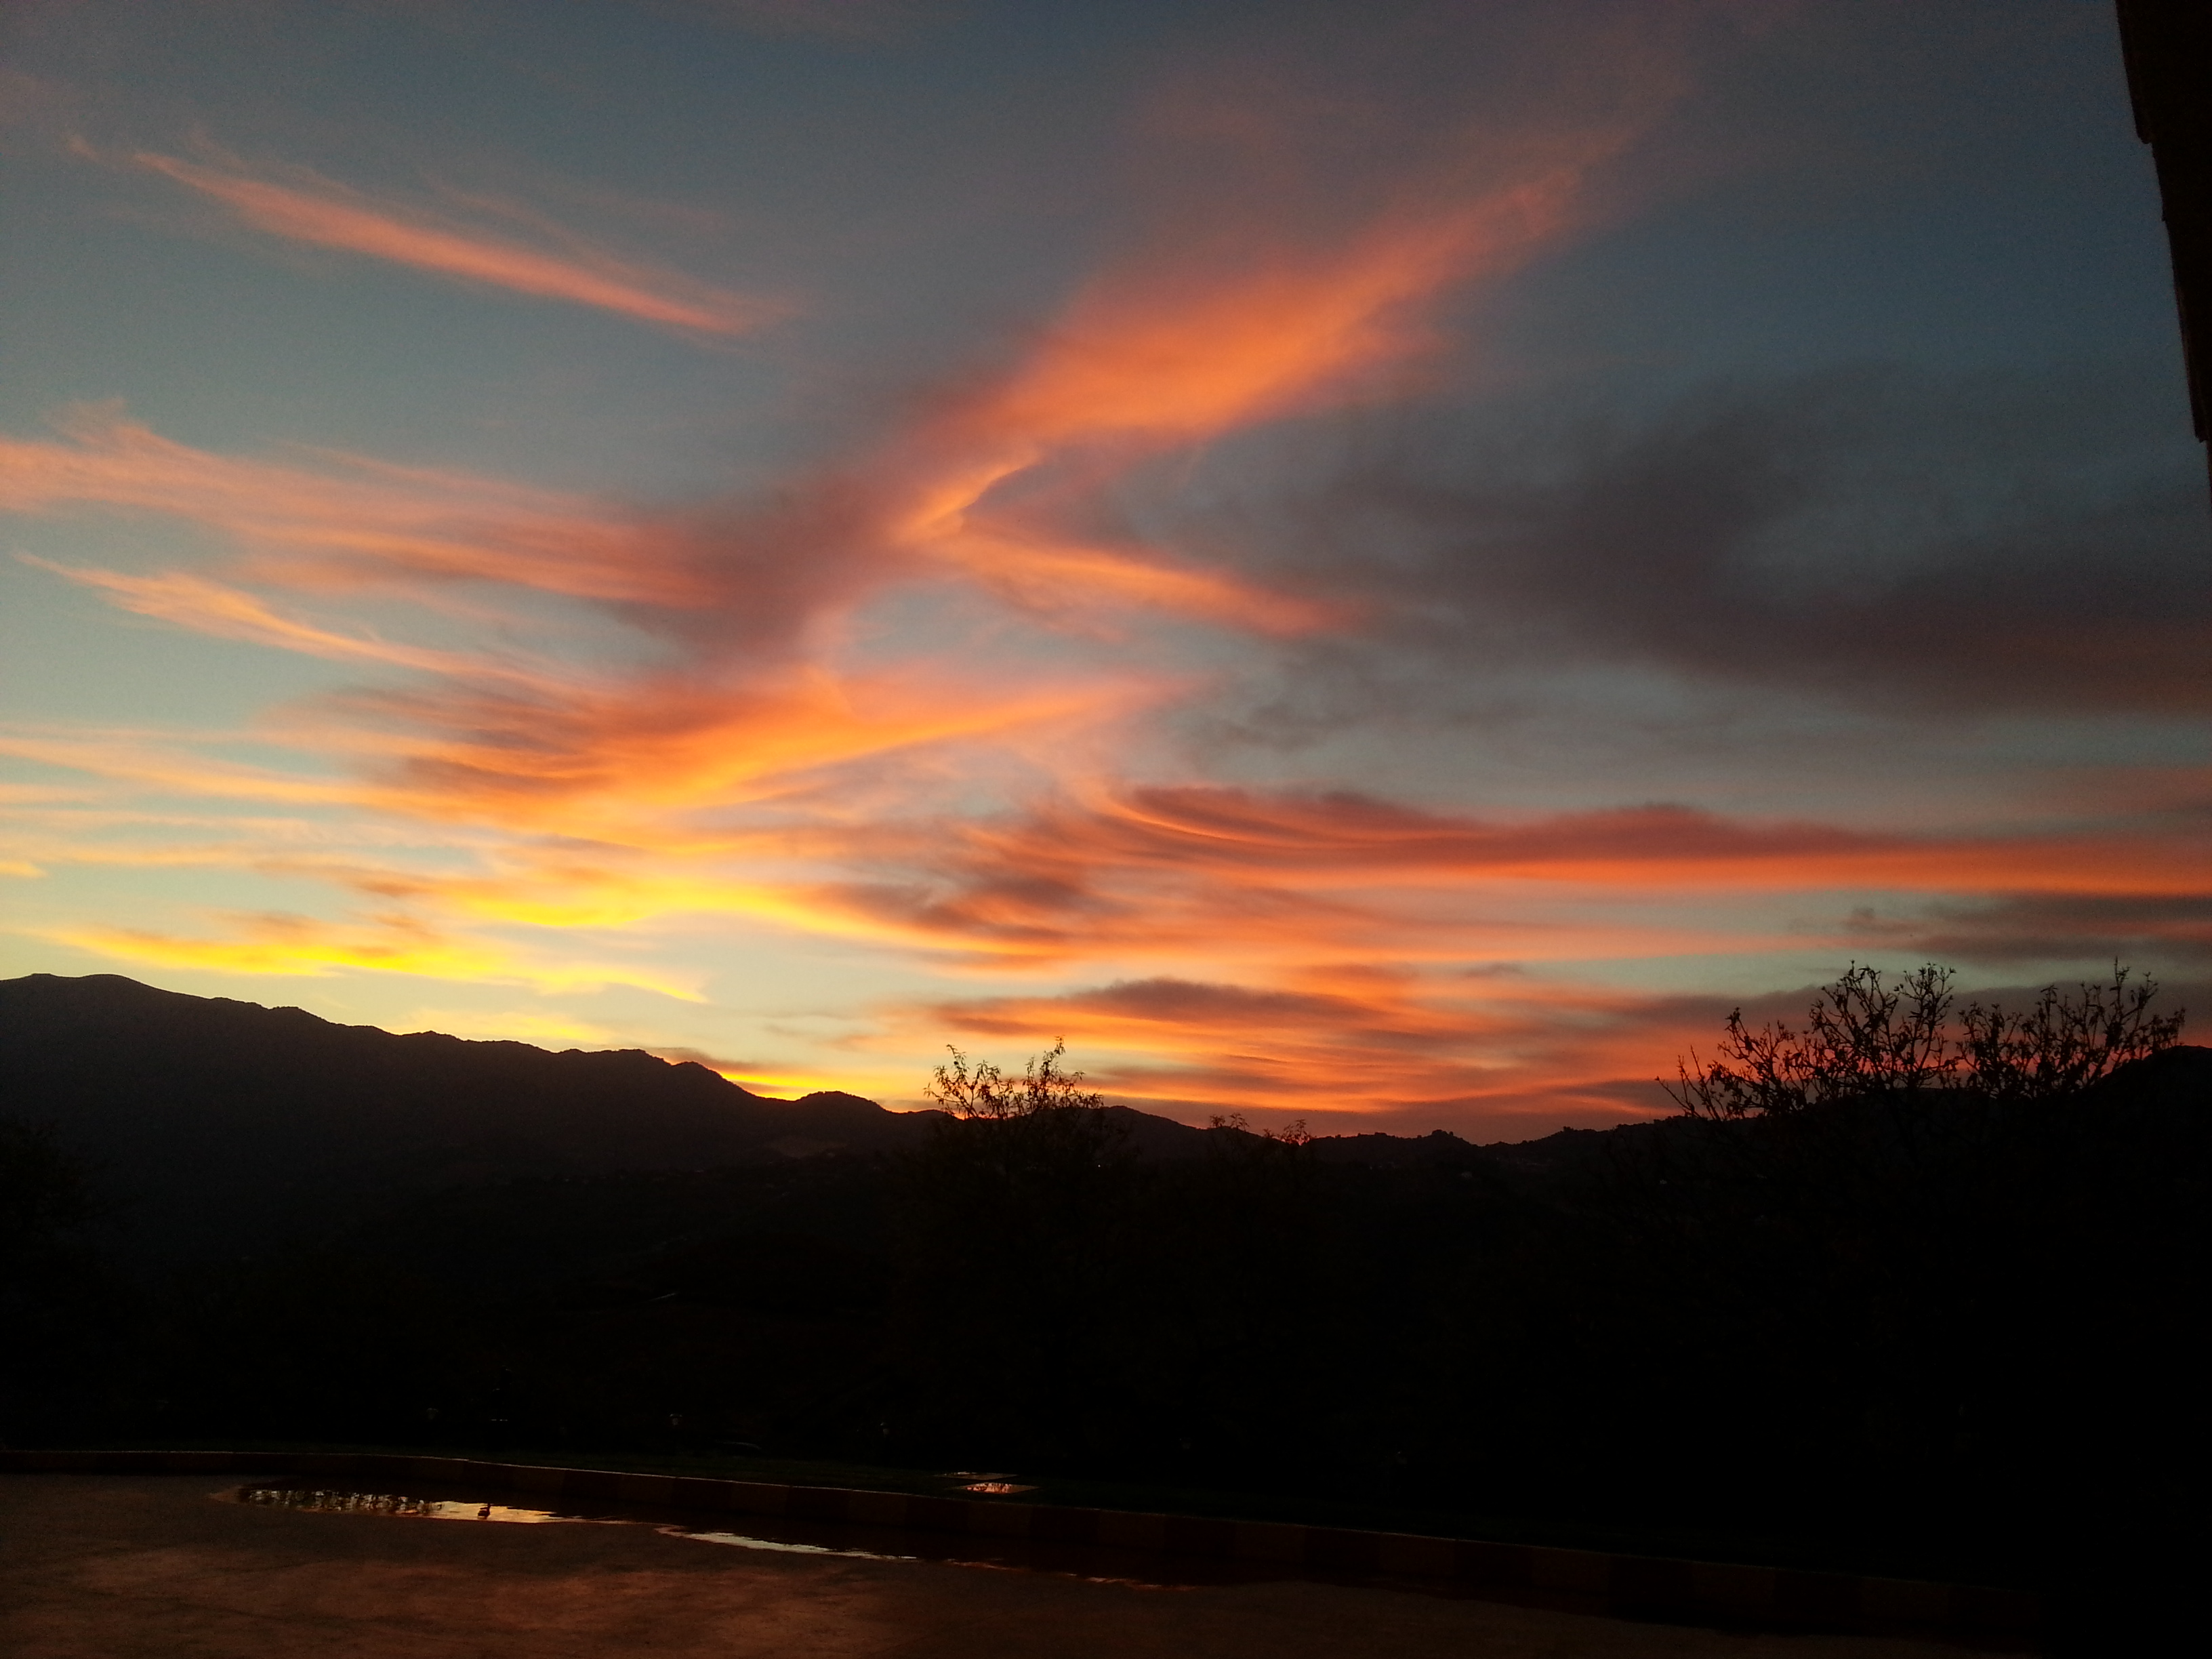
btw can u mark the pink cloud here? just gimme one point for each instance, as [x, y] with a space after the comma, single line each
[327, 519]
[302, 206]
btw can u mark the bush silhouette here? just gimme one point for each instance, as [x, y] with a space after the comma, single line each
[980, 1089]
[1866, 1036]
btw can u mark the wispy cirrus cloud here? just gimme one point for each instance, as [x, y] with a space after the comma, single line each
[227, 612]
[750, 590]
[1349, 1048]
[300, 205]
[1223, 873]
[1195, 346]
[323, 520]
[172, 764]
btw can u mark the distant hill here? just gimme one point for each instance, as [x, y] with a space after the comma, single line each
[208, 1118]
[214, 1123]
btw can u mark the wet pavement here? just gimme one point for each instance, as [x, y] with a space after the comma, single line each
[123, 1565]
[1094, 1563]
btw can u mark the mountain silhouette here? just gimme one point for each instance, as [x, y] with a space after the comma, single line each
[205, 1118]
[211, 1122]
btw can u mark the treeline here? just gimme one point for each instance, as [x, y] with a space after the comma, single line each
[1935, 1320]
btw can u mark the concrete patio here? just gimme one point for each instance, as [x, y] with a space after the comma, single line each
[117, 1565]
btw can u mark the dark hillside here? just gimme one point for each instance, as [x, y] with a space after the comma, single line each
[213, 1125]
[208, 1120]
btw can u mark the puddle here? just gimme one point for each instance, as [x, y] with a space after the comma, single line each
[327, 1500]
[746, 1542]
[388, 1503]
[997, 1485]
[1098, 1565]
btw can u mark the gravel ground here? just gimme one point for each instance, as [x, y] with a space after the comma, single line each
[111, 1566]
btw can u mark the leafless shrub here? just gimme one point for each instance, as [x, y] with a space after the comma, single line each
[978, 1089]
[1865, 1036]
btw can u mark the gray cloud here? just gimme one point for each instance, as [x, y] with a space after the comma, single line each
[2050, 927]
[2001, 542]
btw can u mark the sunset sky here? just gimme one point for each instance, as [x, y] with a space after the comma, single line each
[1381, 563]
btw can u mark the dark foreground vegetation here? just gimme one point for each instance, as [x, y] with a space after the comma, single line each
[1915, 1289]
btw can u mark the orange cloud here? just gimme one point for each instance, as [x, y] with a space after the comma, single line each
[1174, 353]
[348, 520]
[1293, 831]
[1218, 873]
[615, 762]
[1062, 580]
[1174, 349]
[208, 607]
[1346, 1042]
[166, 767]
[303, 206]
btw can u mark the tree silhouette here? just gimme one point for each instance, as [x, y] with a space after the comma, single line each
[2065, 1043]
[979, 1089]
[1866, 1037]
